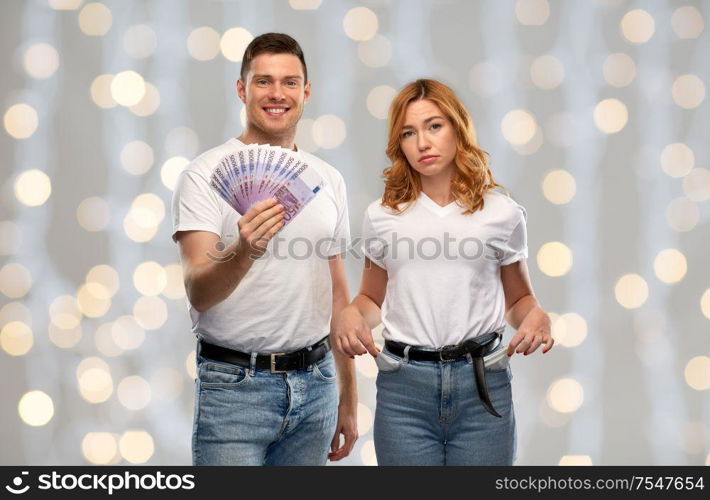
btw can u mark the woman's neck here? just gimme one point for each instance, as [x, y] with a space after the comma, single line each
[438, 188]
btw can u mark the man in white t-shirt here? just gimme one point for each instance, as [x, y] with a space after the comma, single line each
[261, 296]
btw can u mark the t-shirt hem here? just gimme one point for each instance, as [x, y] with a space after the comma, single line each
[195, 227]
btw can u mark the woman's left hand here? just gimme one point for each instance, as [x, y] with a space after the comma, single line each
[533, 331]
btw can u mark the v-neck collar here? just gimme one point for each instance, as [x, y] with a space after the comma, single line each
[435, 207]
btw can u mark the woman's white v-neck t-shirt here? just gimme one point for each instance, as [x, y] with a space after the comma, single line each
[443, 267]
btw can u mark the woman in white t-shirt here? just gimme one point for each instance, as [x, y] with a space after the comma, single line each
[445, 268]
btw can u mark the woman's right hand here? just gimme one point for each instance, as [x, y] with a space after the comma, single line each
[352, 335]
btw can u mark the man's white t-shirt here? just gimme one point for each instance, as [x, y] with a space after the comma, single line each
[284, 302]
[443, 267]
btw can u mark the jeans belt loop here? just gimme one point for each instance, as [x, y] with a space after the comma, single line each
[252, 364]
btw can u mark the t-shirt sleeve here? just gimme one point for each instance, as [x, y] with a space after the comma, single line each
[373, 245]
[195, 206]
[341, 235]
[516, 247]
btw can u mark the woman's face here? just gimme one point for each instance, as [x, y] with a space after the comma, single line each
[428, 139]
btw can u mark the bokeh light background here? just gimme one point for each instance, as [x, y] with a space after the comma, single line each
[595, 115]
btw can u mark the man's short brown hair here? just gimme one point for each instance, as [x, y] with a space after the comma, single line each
[272, 43]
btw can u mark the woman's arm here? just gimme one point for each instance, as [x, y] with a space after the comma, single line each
[523, 312]
[353, 335]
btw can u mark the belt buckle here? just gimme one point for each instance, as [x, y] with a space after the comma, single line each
[273, 363]
[446, 348]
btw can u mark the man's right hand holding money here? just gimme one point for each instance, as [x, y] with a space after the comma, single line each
[210, 278]
[257, 226]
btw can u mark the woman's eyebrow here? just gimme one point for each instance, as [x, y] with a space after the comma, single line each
[425, 121]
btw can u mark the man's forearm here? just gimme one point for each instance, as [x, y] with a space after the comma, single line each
[212, 282]
[520, 310]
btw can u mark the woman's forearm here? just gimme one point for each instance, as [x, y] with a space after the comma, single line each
[369, 310]
[525, 306]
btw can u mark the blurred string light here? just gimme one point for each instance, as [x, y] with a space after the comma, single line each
[233, 43]
[688, 91]
[203, 43]
[631, 291]
[575, 460]
[697, 373]
[682, 214]
[670, 265]
[137, 157]
[360, 24]
[171, 170]
[190, 364]
[140, 41]
[136, 446]
[100, 91]
[547, 72]
[687, 22]
[149, 103]
[305, 4]
[36, 408]
[174, 285]
[705, 303]
[379, 99]
[375, 52]
[149, 278]
[150, 312]
[134, 392]
[329, 131]
[637, 26]
[696, 185]
[94, 380]
[93, 214]
[677, 159]
[100, 448]
[532, 12]
[95, 19]
[20, 121]
[33, 188]
[104, 342]
[128, 88]
[518, 126]
[40, 61]
[304, 135]
[65, 4]
[16, 338]
[559, 187]
[569, 329]
[554, 259]
[619, 70]
[127, 333]
[611, 116]
[565, 395]
[15, 280]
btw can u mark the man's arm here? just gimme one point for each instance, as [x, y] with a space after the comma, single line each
[211, 276]
[345, 367]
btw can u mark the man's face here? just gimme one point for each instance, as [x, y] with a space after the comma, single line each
[274, 93]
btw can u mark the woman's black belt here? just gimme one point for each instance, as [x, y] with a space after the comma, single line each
[476, 349]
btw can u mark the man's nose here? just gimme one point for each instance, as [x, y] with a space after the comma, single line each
[275, 93]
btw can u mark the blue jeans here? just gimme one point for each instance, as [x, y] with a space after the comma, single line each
[247, 416]
[429, 413]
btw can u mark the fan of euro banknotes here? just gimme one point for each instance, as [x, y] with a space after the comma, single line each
[257, 172]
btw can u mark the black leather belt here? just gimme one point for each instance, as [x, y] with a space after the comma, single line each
[477, 351]
[277, 362]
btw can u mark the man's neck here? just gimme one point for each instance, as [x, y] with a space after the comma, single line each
[255, 136]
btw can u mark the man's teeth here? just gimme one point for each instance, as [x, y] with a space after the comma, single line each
[275, 110]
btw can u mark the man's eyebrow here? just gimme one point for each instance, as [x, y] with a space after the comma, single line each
[426, 121]
[287, 77]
